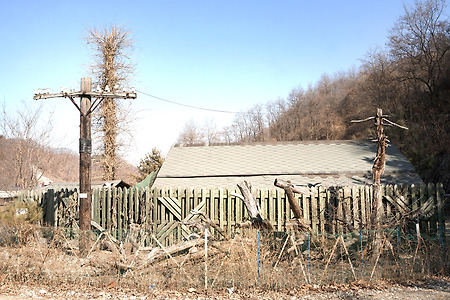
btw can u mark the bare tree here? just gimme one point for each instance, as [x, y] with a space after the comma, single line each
[314, 113]
[420, 44]
[211, 133]
[191, 134]
[250, 126]
[112, 68]
[27, 136]
[274, 111]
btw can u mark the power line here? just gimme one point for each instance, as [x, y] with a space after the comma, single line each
[190, 106]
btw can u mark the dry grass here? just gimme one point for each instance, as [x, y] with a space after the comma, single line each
[49, 256]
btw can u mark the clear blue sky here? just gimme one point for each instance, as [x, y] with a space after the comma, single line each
[226, 55]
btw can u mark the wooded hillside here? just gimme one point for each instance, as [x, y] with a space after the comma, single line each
[22, 162]
[408, 78]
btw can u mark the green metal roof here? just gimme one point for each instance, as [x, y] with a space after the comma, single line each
[147, 182]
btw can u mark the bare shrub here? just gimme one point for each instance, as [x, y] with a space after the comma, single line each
[18, 222]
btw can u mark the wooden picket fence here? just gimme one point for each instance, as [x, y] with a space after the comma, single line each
[167, 213]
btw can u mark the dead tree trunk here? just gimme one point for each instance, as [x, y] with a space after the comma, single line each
[253, 208]
[378, 170]
[290, 189]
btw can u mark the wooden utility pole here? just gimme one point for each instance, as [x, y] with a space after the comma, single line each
[85, 155]
[85, 108]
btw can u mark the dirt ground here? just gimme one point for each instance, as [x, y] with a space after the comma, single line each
[435, 288]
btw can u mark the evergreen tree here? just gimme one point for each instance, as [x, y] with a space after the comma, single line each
[152, 162]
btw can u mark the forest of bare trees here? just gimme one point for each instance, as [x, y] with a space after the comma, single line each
[29, 152]
[409, 78]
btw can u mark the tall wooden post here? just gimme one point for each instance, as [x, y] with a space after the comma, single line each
[85, 108]
[85, 162]
[378, 170]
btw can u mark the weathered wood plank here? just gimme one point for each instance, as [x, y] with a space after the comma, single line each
[414, 202]
[440, 207]
[314, 210]
[322, 203]
[340, 211]
[389, 191]
[238, 205]
[306, 211]
[109, 206]
[221, 210]
[119, 213]
[272, 202]
[348, 209]
[136, 205]
[230, 210]
[278, 211]
[355, 206]
[434, 217]
[423, 198]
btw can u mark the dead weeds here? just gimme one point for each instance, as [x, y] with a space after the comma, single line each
[238, 268]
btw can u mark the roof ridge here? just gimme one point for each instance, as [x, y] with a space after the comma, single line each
[275, 143]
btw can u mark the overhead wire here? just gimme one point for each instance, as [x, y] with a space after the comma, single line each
[187, 105]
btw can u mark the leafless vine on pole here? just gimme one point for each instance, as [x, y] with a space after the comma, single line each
[112, 68]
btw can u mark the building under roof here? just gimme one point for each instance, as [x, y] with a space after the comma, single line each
[328, 163]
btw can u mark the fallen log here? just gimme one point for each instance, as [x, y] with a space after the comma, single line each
[160, 252]
[209, 222]
[289, 188]
[100, 228]
[252, 206]
[112, 244]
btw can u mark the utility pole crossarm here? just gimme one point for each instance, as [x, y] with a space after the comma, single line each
[99, 95]
[118, 95]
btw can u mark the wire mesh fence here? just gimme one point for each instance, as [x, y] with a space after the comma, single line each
[248, 258]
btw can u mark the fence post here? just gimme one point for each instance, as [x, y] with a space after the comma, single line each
[433, 221]
[440, 206]
[258, 255]
[398, 245]
[229, 210]
[309, 257]
[206, 257]
[314, 209]
[119, 195]
[322, 206]
[423, 198]
[50, 208]
[443, 246]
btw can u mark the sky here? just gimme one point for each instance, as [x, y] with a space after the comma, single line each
[219, 55]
